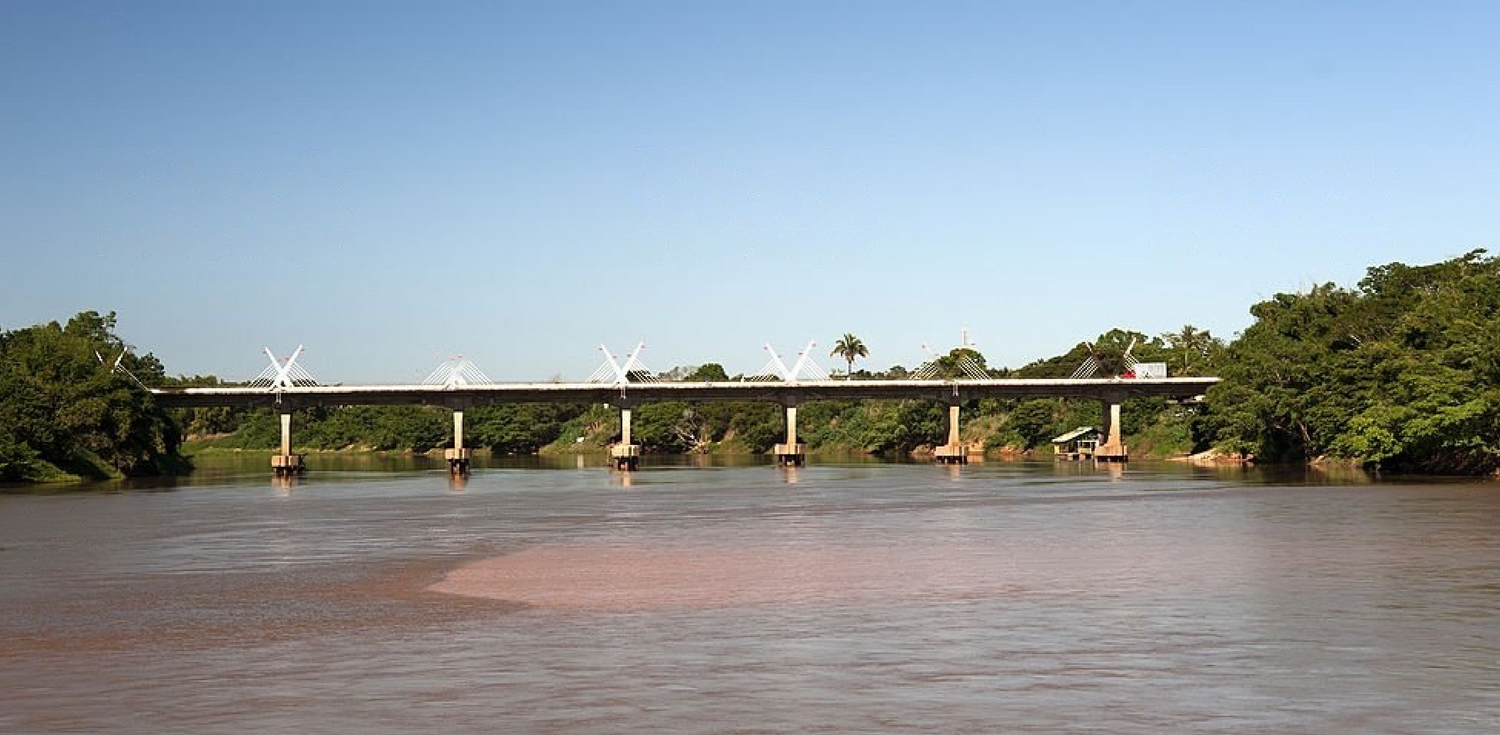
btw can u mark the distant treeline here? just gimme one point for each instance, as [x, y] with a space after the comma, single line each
[1401, 372]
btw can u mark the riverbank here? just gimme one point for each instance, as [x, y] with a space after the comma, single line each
[84, 466]
[718, 450]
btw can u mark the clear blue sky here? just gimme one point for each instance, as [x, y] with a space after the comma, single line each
[392, 184]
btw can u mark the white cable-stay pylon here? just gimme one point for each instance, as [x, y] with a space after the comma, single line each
[615, 372]
[283, 374]
[117, 367]
[1130, 361]
[1091, 365]
[804, 369]
[457, 372]
[971, 369]
[927, 370]
[966, 365]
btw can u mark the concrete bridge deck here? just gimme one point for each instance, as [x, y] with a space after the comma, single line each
[945, 391]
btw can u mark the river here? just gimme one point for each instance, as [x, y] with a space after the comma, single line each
[1014, 597]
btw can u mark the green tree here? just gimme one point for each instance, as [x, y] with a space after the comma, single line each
[662, 427]
[18, 461]
[75, 397]
[709, 372]
[756, 425]
[1195, 347]
[1034, 421]
[960, 363]
[1400, 372]
[518, 428]
[850, 348]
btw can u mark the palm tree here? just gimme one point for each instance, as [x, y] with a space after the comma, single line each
[850, 348]
[1190, 340]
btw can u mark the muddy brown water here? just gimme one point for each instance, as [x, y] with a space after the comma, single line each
[835, 598]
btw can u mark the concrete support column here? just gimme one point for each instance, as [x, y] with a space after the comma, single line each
[954, 452]
[1113, 447]
[286, 464]
[625, 455]
[793, 453]
[458, 457]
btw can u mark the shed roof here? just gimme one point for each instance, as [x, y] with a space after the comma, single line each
[1074, 434]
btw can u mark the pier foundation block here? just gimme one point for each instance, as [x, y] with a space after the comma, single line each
[951, 454]
[625, 456]
[287, 465]
[458, 460]
[791, 455]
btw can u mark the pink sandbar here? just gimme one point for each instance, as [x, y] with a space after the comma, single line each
[633, 577]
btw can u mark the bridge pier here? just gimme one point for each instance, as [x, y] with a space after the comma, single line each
[458, 457]
[1112, 445]
[792, 453]
[287, 464]
[955, 451]
[625, 456]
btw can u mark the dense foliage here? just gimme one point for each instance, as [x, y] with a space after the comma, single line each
[507, 429]
[66, 408]
[1400, 372]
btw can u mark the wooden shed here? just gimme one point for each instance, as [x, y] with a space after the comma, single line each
[1080, 443]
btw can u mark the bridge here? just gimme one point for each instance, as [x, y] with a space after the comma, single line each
[458, 385]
